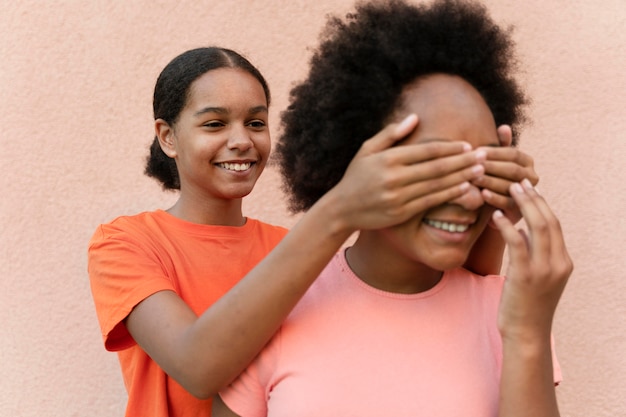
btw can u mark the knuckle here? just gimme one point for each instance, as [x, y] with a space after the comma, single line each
[555, 224]
[568, 266]
[541, 227]
[389, 184]
[430, 200]
[367, 144]
[437, 167]
[519, 173]
[433, 185]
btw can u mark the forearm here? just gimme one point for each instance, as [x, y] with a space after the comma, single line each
[230, 333]
[486, 255]
[527, 385]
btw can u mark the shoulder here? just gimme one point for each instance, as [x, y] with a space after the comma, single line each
[126, 226]
[465, 287]
[462, 276]
[266, 231]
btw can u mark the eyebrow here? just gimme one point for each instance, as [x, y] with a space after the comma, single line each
[224, 110]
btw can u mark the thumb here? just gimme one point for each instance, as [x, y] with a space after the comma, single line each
[388, 137]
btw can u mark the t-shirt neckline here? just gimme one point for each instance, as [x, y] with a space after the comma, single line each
[351, 276]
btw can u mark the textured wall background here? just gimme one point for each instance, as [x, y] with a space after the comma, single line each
[76, 79]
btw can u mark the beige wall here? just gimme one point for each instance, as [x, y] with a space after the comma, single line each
[76, 79]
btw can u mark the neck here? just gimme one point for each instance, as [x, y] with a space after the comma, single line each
[382, 266]
[222, 212]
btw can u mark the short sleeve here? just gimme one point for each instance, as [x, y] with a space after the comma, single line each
[248, 395]
[123, 271]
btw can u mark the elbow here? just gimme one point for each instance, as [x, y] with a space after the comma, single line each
[201, 394]
[202, 387]
[200, 391]
[202, 378]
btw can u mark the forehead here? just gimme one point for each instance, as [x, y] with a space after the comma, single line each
[226, 85]
[449, 109]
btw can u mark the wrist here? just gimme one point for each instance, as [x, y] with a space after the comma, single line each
[528, 340]
[336, 218]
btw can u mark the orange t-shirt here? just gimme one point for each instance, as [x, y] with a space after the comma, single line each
[134, 257]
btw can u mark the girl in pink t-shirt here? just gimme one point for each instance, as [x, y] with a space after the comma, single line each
[481, 345]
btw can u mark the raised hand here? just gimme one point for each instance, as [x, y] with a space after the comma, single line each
[538, 270]
[386, 185]
[505, 165]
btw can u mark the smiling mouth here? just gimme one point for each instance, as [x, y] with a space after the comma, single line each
[447, 226]
[235, 167]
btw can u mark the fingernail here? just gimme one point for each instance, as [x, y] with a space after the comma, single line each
[517, 188]
[497, 214]
[481, 155]
[407, 121]
[527, 184]
[478, 169]
[466, 147]
[465, 186]
[487, 194]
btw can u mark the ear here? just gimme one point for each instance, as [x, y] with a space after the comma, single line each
[505, 135]
[165, 133]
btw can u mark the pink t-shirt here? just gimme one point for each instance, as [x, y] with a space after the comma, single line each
[348, 349]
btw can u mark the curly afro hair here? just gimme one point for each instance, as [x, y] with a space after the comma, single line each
[359, 70]
[172, 91]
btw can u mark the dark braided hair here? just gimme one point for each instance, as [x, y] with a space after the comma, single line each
[358, 73]
[172, 91]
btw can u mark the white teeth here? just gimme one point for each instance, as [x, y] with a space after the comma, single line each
[235, 167]
[448, 227]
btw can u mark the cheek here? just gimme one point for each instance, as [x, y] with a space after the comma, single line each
[263, 144]
[406, 238]
[483, 220]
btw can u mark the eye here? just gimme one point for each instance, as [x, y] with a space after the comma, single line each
[257, 124]
[214, 124]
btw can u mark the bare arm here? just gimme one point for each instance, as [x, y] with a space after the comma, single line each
[381, 187]
[504, 166]
[536, 277]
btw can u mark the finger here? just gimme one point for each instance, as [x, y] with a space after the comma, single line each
[466, 167]
[388, 137]
[430, 193]
[505, 135]
[508, 154]
[512, 171]
[418, 189]
[556, 232]
[538, 227]
[421, 202]
[516, 242]
[560, 264]
[420, 153]
[493, 184]
[501, 202]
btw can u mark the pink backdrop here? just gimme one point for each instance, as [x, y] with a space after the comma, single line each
[76, 79]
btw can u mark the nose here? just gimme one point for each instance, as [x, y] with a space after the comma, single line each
[471, 200]
[239, 139]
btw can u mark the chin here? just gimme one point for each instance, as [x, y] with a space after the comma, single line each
[239, 192]
[446, 261]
